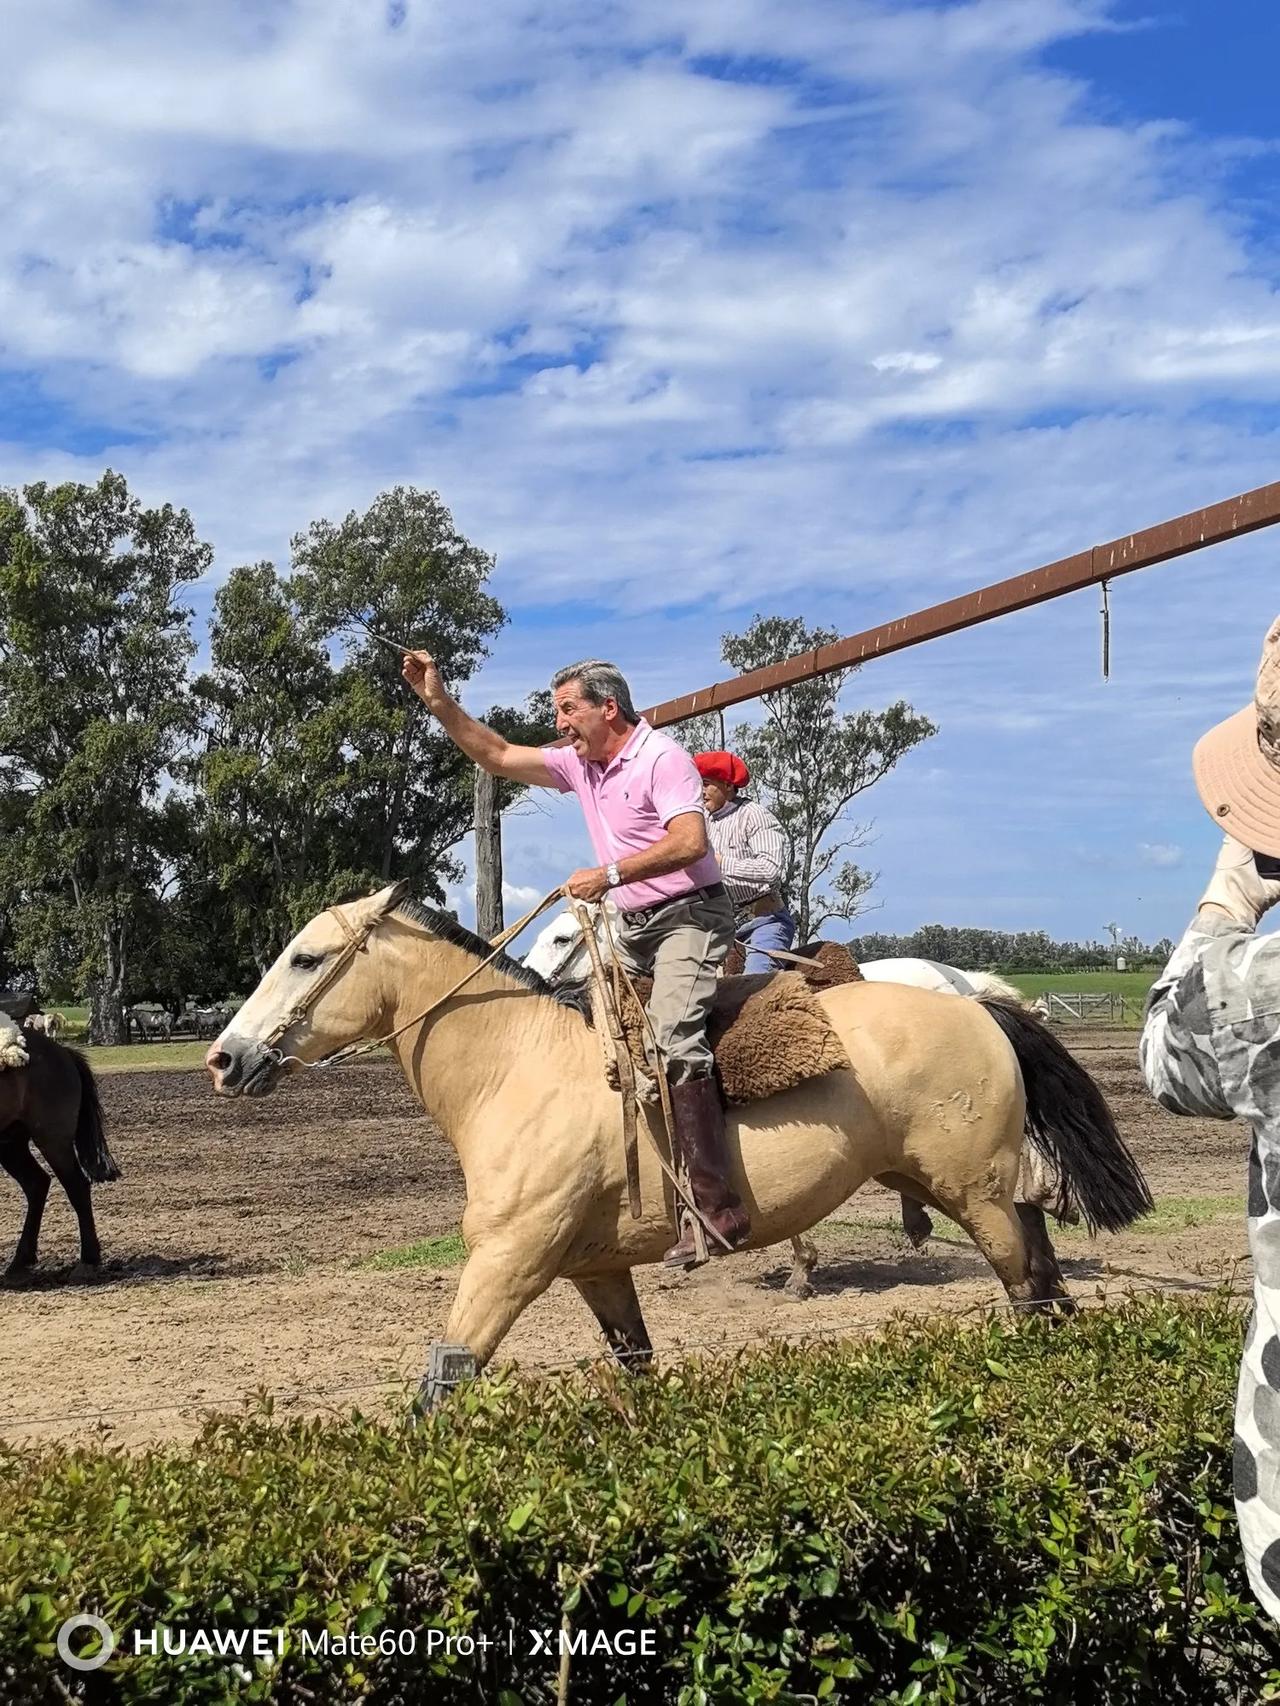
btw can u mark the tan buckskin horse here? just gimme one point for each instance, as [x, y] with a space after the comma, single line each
[937, 1094]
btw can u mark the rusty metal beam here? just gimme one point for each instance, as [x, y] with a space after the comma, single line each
[1225, 520]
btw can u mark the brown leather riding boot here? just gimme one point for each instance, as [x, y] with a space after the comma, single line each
[699, 1123]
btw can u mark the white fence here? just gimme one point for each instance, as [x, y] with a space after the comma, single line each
[1074, 1007]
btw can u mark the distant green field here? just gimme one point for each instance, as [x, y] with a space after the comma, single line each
[146, 1057]
[1133, 984]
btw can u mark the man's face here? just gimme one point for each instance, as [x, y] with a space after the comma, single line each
[716, 794]
[587, 725]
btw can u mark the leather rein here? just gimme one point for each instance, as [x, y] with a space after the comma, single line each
[356, 943]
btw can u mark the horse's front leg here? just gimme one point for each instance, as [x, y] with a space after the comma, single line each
[501, 1279]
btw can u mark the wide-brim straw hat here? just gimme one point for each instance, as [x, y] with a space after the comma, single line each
[1237, 764]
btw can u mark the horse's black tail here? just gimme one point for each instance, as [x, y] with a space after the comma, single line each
[91, 1139]
[1069, 1122]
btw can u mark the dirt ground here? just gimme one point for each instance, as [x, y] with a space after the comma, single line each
[235, 1239]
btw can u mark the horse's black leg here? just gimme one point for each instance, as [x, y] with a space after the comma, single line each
[612, 1299]
[21, 1165]
[1046, 1276]
[60, 1153]
[916, 1222]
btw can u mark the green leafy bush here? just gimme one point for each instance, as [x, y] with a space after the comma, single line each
[1006, 1511]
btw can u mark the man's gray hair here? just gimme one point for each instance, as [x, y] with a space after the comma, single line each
[599, 681]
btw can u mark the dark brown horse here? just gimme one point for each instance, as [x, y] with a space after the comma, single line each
[53, 1103]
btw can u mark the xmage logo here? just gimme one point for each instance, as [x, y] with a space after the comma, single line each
[583, 1643]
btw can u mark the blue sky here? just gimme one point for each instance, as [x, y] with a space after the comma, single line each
[828, 309]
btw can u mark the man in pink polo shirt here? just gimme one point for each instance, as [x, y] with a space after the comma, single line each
[642, 798]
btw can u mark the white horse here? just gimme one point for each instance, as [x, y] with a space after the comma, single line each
[560, 956]
[48, 1024]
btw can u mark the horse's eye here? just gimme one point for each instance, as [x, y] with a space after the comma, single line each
[305, 962]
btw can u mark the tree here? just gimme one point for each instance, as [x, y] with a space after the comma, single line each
[809, 762]
[402, 567]
[270, 778]
[704, 733]
[94, 715]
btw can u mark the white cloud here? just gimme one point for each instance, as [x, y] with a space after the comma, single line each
[518, 895]
[1162, 854]
[899, 316]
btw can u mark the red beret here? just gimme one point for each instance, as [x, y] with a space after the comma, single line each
[724, 767]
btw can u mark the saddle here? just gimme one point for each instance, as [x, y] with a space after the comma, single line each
[768, 1033]
[13, 1047]
[822, 964]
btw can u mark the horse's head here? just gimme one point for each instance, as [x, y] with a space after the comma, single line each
[559, 954]
[317, 997]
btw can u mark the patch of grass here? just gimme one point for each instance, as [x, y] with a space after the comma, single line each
[1131, 984]
[446, 1251]
[1170, 1215]
[1173, 1214]
[147, 1057]
[838, 1229]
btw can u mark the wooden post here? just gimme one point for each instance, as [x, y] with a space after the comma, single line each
[488, 827]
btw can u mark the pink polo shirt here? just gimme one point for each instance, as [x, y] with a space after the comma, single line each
[628, 804]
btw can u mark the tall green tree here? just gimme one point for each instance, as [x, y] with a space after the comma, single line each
[270, 781]
[95, 714]
[809, 762]
[405, 570]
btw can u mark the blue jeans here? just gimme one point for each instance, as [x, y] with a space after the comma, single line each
[770, 930]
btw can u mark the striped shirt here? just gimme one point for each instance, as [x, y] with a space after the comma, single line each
[751, 847]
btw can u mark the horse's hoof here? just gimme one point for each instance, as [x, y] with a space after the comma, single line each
[448, 1366]
[802, 1289]
[918, 1230]
[19, 1274]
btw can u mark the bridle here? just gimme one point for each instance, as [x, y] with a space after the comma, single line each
[574, 945]
[356, 942]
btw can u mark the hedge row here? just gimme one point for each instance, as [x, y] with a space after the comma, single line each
[996, 1512]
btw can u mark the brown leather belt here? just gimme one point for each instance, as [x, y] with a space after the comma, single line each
[638, 914]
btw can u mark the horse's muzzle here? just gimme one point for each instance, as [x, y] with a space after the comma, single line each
[242, 1066]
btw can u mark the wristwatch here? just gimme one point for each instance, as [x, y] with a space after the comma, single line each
[612, 876]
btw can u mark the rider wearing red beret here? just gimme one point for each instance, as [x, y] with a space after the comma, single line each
[751, 847]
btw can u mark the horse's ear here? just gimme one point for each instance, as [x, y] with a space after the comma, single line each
[389, 898]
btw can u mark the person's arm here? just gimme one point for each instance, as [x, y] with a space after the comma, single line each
[683, 845]
[483, 745]
[1213, 1014]
[1176, 1048]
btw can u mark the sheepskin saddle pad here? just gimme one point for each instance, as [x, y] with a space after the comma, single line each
[13, 1048]
[768, 1033]
[822, 964]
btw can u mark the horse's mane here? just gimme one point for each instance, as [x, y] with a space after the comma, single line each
[447, 929]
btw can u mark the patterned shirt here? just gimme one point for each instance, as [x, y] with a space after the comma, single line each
[751, 846]
[1211, 1046]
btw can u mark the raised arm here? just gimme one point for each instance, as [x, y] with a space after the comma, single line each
[483, 745]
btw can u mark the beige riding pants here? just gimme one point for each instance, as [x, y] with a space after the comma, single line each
[681, 947]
